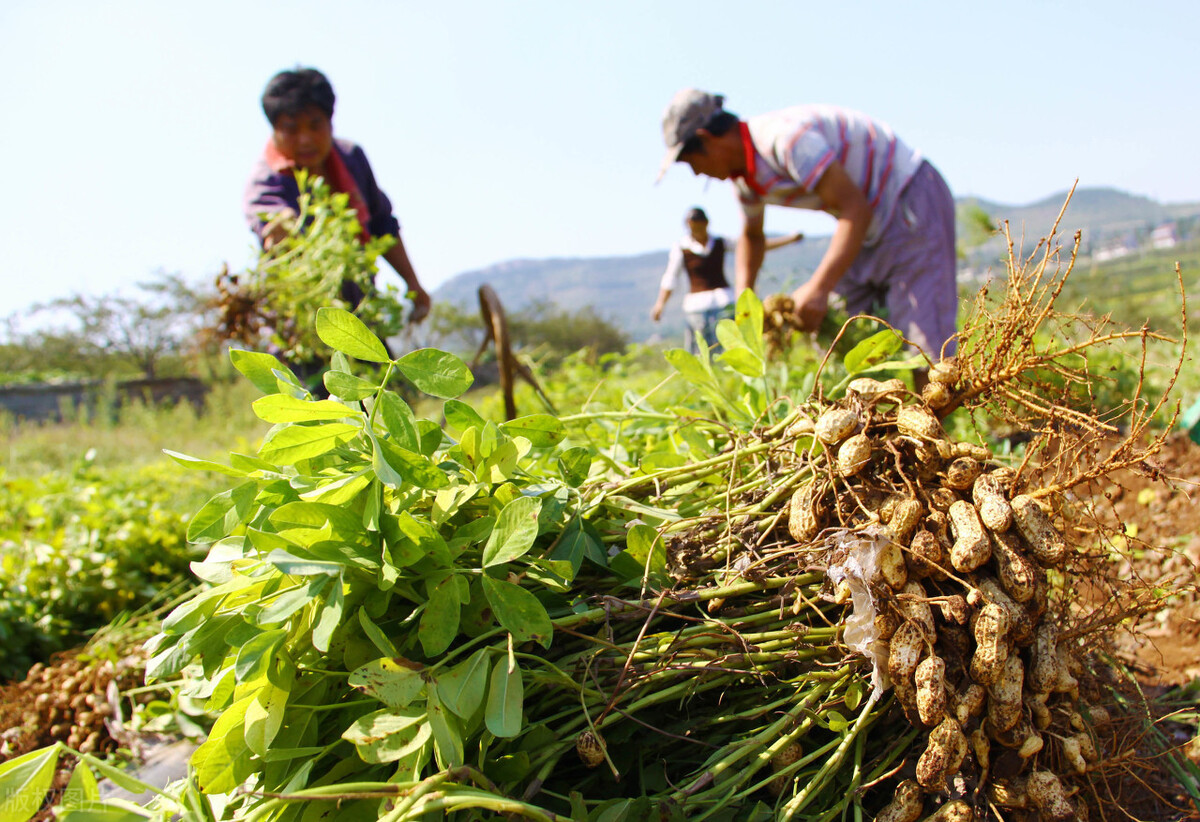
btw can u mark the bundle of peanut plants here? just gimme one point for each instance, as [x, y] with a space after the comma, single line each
[819, 605]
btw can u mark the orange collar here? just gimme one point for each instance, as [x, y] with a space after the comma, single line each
[275, 160]
[750, 175]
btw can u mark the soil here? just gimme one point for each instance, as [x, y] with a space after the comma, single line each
[1162, 519]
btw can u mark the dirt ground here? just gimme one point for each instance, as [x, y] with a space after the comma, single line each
[1162, 519]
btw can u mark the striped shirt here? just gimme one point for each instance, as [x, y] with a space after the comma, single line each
[788, 151]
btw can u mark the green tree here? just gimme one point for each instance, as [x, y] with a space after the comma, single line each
[115, 333]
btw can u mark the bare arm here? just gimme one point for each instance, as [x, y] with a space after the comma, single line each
[841, 197]
[661, 303]
[397, 257]
[780, 242]
[748, 258]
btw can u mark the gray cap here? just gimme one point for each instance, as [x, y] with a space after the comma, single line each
[688, 112]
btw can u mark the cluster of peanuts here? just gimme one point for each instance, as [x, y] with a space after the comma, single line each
[972, 652]
[779, 321]
[68, 702]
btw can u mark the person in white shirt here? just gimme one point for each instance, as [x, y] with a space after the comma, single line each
[893, 245]
[696, 266]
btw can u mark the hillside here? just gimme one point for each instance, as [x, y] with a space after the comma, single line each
[623, 289]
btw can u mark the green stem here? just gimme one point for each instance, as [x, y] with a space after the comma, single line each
[797, 802]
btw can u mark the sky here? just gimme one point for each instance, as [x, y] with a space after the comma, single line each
[510, 130]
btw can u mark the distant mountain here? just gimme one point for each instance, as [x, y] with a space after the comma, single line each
[623, 289]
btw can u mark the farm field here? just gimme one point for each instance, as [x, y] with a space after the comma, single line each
[652, 603]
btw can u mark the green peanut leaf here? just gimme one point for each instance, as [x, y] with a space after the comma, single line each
[300, 442]
[436, 373]
[259, 368]
[223, 763]
[729, 335]
[542, 430]
[873, 350]
[341, 523]
[24, 781]
[439, 622]
[461, 689]
[690, 368]
[447, 735]
[342, 331]
[121, 778]
[378, 637]
[410, 540]
[518, 611]
[514, 532]
[388, 735]
[329, 618]
[399, 421]
[214, 520]
[289, 602]
[574, 464]
[340, 491]
[644, 560]
[750, 322]
[347, 386]
[197, 464]
[505, 698]
[299, 567]
[743, 361]
[256, 656]
[579, 540]
[461, 416]
[264, 715]
[432, 436]
[277, 408]
[394, 682]
[401, 465]
[82, 787]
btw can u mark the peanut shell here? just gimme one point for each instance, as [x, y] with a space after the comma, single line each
[919, 422]
[945, 371]
[803, 520]
[956, 810]
[835, 424]
[1018, 576]
[931, 690]
[1004, 695]
[906, 804]
[962, 472]
[1045, 543]
[969, 703]
[925, 554]
[972, 547]
[853, 455]
[1047, 793]
[943, 756]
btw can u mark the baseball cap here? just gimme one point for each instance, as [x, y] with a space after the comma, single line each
[688, 112]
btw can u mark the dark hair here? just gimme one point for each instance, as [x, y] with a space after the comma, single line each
[695, 214]
[717, 125]
[292, 91]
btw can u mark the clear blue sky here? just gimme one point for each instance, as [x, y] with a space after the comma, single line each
[507, 130]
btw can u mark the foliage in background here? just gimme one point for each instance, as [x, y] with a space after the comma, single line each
[544, 324]
[133, 436]
[151, 335]
[79, 547]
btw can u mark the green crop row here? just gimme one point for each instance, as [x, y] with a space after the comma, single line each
[77, 548]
